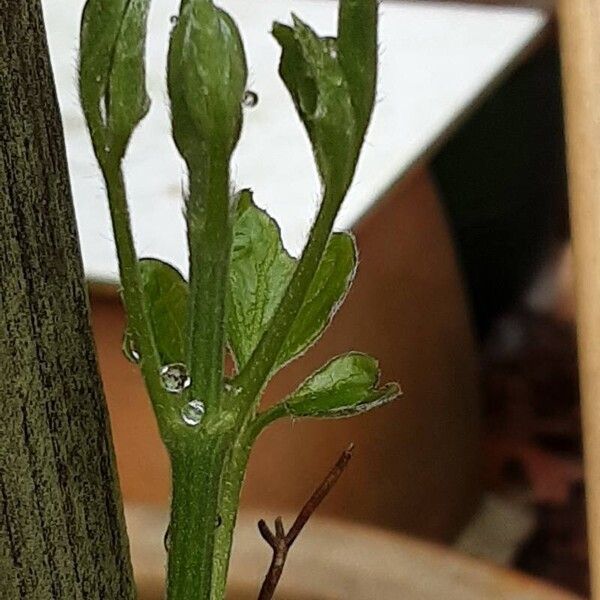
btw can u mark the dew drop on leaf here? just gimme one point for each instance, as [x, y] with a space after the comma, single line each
[174, 19]
[193, 413]
[175, 378]
[250, 99]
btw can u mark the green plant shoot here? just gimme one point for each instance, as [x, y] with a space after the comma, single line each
[245, 296]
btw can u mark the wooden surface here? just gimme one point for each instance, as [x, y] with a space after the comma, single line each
[61, 525]
[333, 560]
[417, 461]
[580, 37]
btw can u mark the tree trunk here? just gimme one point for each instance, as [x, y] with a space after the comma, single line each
[62, 533]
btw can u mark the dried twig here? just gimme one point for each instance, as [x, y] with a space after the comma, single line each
[281, 542]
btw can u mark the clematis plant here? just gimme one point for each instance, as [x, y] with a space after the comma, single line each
[246, 295]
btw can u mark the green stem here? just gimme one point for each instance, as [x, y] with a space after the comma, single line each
[234, 471]
[133, 297]
[210, 232]
[232, 481]
[197, 472]
[199, 469]
[255, 374]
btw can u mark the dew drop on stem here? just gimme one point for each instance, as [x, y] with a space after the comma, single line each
[167, 538]
[193, 413]
[175, 378]
[129, 350]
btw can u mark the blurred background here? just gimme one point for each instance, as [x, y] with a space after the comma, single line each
[464, 293]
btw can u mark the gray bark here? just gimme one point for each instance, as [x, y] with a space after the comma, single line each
[62, 534]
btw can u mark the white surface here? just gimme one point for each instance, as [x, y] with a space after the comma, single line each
[435, 61]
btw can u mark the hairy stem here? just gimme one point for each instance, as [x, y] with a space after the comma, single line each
[210, 232]
[233, 479]
[197, 472]
[133, 297]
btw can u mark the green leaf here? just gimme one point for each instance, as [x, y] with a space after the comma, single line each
[112, 78]
[100, 25]
[313, 75]
[166, 298]
[325, 295]
[357, 49]
[207, 76]
[345, 387]
[128, 101]
[332, 82]
[261, 270]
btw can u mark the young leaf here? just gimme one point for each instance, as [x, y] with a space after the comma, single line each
[311, 71]
[357, 48]
[166, 298]
[128, 101]
[325, 295]
[112, 78]
[260, 272]
[207, 76]
[100, 25]
[345, 387]
[332, 82]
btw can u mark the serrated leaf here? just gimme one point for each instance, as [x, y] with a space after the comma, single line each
[112, 72]
[261, 270]
[166, 298]
[325, 295]
[345, 387]
[332, 82]
[207, 76]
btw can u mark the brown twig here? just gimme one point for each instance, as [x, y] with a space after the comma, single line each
[281, 542]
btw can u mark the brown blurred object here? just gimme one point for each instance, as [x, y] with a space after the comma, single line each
[416, 465]
[532, 406]
[532, 423]
[336, 560]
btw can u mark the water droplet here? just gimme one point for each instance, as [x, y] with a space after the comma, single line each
[331, 44]
[250, 99]
[129, 351]
[228, 387]
[193, 413]
[167, 538]
[174, 19]
[175, 378]
[218, 521]
[98, 78]
[107, 148]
